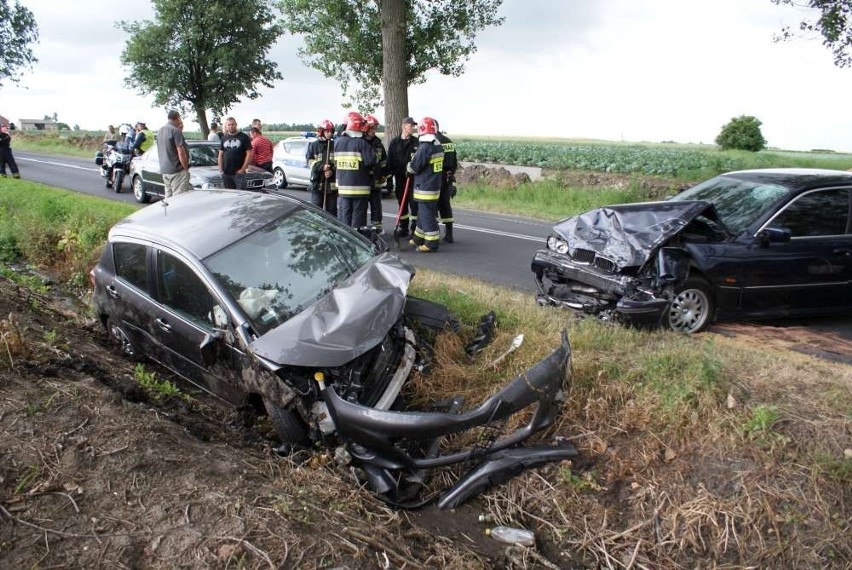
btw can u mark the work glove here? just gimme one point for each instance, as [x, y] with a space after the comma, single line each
[453, 191]
[409, 169]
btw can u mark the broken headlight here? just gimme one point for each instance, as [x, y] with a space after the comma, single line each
[558, 245]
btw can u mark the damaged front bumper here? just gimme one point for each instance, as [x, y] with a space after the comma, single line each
[564, 282]
[396, 449]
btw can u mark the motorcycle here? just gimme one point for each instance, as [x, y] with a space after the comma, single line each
[114, 161]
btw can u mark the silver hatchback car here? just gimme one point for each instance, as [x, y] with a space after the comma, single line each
[289, 166]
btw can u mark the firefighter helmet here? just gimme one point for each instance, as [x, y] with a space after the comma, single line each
[427, 126]
[355, 122]
[371, 121]
[325, 126]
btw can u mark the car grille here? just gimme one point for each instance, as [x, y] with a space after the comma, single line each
[589, 257]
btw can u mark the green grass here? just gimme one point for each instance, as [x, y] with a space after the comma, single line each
[153, 385]
[549, 199]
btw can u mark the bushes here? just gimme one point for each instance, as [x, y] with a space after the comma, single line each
[742, 133]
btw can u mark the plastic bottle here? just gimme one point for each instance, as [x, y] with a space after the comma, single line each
[511, 535]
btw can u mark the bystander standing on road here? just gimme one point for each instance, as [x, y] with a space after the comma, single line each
[354, 158]
[262, 148]
[6, 157]
[173, 155]
[215, 134]
[380, 171]
[235, 156]
[111, 134]
[427, 167]
[255, 123]
[400, 151]
[448, 183]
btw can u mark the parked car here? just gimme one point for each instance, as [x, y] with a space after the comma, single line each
[268, 302]
[203, 172]
[753, 244]
[289, 165]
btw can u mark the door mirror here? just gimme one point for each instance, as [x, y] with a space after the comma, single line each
[672, 264]
[773, 235]
[210, 347]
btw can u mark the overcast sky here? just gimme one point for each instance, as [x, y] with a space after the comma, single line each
[622, 70]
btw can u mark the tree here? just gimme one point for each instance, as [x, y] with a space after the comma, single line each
[18, 30]
[202, 55]
[389, 44]
[742, 133]
[834, 24]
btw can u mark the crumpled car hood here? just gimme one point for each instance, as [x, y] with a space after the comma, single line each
[628, 234]
[344, 324]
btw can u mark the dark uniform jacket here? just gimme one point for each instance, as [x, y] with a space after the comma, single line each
[400, 153]
[354, 158]
[428, 169]
[380, 170]
[319, 153]
[451, 162]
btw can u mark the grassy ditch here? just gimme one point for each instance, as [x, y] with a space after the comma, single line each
[696, 451]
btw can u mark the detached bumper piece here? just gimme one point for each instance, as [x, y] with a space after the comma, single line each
[397, 449]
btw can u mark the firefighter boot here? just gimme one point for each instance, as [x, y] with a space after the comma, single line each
[448, 233]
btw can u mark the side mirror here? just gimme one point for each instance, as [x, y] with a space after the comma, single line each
[774, 235]
[375, 236]
[672, 264]
[210, 347]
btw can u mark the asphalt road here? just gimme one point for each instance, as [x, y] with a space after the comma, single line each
[490, 247]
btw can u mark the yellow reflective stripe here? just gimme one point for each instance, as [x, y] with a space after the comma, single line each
[426, 196]
[354, 191]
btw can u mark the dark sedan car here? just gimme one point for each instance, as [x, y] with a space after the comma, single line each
[204, 173]
[268, 302]
[752, 244]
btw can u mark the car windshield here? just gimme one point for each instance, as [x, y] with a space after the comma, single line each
[281, 269]
[203, 155]
[738, 202]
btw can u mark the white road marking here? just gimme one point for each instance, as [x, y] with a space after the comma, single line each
[64, 164]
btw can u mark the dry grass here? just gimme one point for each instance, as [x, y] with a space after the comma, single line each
[677, 469]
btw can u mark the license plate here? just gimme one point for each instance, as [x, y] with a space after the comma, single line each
[257, 183]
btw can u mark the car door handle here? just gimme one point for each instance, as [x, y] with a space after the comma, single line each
[842, 251]
[112, 291]
[163, 324]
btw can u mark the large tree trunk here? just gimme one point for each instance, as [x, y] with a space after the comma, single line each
[394, 65]
[201, 119]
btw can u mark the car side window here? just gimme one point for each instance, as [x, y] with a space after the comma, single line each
[821, 213]
[130, 263]
[182, 290]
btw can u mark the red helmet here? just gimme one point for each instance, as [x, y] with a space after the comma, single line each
[355, 122]
[325, 125]
[427, 126]
[371, 121]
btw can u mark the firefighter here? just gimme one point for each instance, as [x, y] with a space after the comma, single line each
[321, 162]
[380, 173]
[354, 160]
[448, 183]
[400, 151]
[427, 166]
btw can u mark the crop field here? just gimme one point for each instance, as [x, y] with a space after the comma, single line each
[680, 161]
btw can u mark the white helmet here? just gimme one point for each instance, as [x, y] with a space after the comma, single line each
[124, 129]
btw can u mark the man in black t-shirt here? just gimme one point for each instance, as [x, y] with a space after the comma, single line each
[235, 156]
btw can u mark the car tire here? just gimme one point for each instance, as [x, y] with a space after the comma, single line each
[288, 426]
[118, 180]
[139, 190]
[279, 179]
[692, 308]
[120, 339]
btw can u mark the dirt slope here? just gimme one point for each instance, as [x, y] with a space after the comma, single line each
[95, 474]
